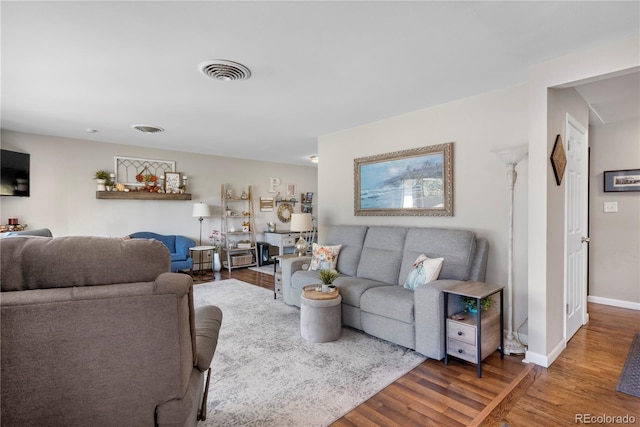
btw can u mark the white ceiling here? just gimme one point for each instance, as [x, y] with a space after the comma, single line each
[317, 67]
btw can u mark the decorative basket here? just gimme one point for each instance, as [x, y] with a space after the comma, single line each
[309, 292]
[239, 260]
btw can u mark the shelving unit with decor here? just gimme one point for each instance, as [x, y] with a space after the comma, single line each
[236, 211]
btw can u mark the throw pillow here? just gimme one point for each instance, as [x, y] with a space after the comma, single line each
[424, 270]
[324, 257]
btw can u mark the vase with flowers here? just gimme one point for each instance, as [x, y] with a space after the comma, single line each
[217, 240]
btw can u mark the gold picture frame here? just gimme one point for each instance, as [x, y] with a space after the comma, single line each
[417, 182]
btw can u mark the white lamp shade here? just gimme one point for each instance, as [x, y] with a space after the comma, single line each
[301, 222]
[512, 155]
[201, 210]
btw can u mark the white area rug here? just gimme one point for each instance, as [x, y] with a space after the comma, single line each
[265, 374]
[266, 269]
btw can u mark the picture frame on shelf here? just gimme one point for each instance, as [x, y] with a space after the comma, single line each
[172, 182]
[416, 182]
[621, 180]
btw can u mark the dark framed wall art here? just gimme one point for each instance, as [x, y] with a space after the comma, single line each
[417, 181]
[622, 180]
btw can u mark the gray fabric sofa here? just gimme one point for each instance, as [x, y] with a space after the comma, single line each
[97, 332]
[374, 263]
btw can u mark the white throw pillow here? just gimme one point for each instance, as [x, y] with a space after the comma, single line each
[424, 270]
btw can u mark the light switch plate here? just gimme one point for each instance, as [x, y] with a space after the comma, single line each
[611, 206]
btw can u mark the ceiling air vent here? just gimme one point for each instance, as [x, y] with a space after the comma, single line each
[147, 128]
[220, 69]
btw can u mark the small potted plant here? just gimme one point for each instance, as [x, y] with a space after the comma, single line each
[470, 304]
[327, 276]
[101, 176]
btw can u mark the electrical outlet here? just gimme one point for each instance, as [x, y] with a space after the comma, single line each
[610, 207]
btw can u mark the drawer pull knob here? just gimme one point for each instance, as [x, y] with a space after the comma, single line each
[459, 333]
[460, 351]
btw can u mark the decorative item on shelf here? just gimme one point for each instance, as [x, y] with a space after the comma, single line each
[200, 210]
[511, 157]
[327, 276]
[229, 193]
[303, 224]
[101, 177]
[471, 304]
[111, 181]
[271, 226]
[172, 182]
[244, 195]
[244, 244]
[183, 186]
[148, 179]
[245, 226]
[278, 197]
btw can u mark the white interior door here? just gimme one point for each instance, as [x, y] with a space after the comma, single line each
[577, 256]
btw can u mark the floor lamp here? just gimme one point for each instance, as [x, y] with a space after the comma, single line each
[511, 157]
[201, 210]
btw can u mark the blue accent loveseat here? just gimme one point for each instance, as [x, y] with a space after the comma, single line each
[178, 248]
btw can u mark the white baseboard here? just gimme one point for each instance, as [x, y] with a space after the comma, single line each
[545, 360]
[614, 302]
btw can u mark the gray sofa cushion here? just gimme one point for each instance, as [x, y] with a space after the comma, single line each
[457, 247]
[351, 237]
[382, 254]
[393, 302]
[352, 288]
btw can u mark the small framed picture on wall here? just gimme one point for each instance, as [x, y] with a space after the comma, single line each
[291, 190]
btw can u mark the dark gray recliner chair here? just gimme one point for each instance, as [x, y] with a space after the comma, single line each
[96, 331]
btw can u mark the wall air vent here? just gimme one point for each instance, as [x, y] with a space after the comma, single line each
[221, 69]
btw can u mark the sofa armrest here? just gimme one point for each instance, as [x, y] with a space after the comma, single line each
[428, 300]
[208, 322]
[290, 266]
[183, 244]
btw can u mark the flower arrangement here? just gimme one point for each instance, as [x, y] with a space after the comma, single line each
[217, 239]
[146, 178]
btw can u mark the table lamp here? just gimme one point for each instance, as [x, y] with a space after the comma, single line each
[301, 222]
[201, 210]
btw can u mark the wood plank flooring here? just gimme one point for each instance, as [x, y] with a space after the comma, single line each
[510, 393]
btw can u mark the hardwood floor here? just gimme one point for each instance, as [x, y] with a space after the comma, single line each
[510, 393]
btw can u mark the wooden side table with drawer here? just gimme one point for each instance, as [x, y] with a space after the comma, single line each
[476, 335]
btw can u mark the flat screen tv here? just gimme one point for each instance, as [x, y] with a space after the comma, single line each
[14, 173]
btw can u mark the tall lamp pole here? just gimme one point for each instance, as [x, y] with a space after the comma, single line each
[511, 157]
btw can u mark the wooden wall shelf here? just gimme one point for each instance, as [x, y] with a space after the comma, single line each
[141, 195]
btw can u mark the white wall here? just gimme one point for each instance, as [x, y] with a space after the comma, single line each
[546, 337]
[63, 194]
[476, 125]
[614, 251]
